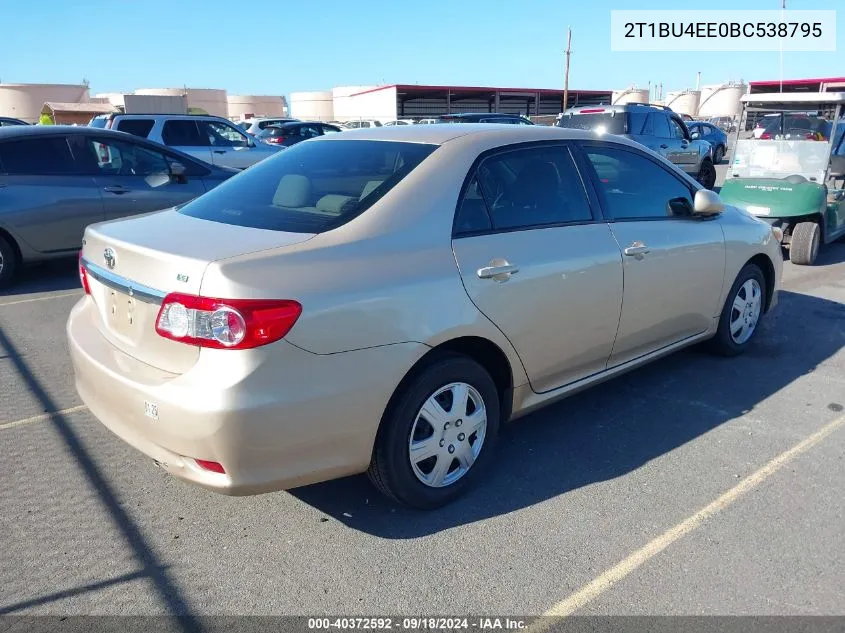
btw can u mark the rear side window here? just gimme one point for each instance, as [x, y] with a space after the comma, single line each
[660, 125]
[182, 132]
[311, 187]
[533, 187]
[607, 122]
[37, 156]
[138, 127]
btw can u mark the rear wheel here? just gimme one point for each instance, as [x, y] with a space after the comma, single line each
[8, 262]
[719, 154]
[707, 174]
[438, 435]
[804, 245]
[742, 312]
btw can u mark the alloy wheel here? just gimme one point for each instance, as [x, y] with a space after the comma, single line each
[745, 311]
[447, 435]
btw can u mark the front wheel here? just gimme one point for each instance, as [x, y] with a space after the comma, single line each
[8, 262]
[742, 312]
[719, 154]
[707, 174]
[804, 245]
[438, 435]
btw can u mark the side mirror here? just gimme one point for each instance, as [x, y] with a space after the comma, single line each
[178, 172]
[695, 136]
[707, 203]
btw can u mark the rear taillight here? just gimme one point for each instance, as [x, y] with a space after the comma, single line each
[225, 323]
[765, 136]
[276, 139]
[591, 110]
[83, 276]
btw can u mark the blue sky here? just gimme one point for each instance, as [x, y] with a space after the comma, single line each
[264, 47]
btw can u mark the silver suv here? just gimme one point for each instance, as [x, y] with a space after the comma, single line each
[212, 139]
[656, 127]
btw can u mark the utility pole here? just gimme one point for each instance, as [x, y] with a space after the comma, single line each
[566, 71]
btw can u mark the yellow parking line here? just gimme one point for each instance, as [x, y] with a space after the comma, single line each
[42, 417]
[618, 572]
[66, 294]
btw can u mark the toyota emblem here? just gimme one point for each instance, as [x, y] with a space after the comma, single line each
[110, 258]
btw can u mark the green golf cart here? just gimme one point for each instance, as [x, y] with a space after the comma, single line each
[793, 176]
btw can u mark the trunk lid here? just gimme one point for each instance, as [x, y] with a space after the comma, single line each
[133, 263]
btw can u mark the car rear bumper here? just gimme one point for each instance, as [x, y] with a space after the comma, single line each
[276, 417]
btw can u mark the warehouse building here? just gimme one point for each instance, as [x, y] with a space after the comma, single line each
[411, 101]
[824, 84]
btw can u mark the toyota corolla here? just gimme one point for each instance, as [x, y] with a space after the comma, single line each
[383, 300]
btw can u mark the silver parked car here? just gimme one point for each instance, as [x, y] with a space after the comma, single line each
[254, 126]
[383, 300]
[56, 180]
[211, 139]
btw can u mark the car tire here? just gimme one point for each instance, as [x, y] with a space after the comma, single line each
[399, 476]
[707, 174]
[804, 244]
[718, 155]
[743, 310]
[8, 262]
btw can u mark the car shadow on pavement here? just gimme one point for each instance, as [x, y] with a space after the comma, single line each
[614, 428]
[149, 565]
[59, 274]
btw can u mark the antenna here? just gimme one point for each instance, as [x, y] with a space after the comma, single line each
[566, 71]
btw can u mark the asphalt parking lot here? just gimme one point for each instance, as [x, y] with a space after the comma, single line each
[697, 485]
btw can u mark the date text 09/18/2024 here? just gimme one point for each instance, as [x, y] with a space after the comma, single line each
[417, 623]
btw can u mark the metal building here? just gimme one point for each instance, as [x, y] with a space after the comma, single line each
[200, 100]
[240, 106]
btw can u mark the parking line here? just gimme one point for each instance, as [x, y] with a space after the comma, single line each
[618, 572]
[66, 294]
[42, 417]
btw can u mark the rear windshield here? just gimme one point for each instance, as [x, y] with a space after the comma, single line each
[607, 122]
[312, 187]
[98, 121]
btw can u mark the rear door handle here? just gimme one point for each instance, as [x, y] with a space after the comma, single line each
[219, 151]
[118, 189]
[637, 249]
[499, 272]
[664, 146]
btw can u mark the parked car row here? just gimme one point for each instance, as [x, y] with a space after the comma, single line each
[56, 180]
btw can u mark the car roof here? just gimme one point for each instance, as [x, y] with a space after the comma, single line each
[504, 133]
[52, 130]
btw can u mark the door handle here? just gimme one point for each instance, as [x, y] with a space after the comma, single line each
[219, 151]
[497, 272]
[637, 249]
[118, 189]
[664, 146]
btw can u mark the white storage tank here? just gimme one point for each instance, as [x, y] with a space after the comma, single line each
[722, 99]
[24, 101]
[255, 105]
[200, 100]
[312, 106]
[629, 95]
[684, 101]
[114, 98]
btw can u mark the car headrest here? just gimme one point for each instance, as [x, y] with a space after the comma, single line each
[333, 203]
[293, 191]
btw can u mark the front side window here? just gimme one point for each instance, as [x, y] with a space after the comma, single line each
[635, 188]
[222, 135]
[37, 156]
[311, 187]
[116, 158]
[677, 128]
[183, 133]
[538, 186]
